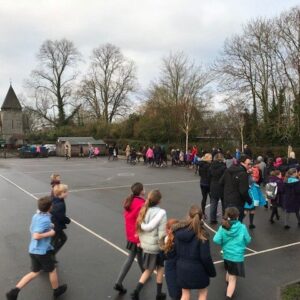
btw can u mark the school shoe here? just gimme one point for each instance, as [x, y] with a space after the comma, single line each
[272, 221]
[59, 291]
[12, 294]
[287, 227]
[135, 295]
[120, 288]
[252, 226]
[162, 296]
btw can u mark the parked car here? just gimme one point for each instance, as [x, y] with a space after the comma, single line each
[51, 149]
[29, 151]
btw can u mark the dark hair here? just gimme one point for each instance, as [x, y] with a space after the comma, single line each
[219, 157]
[231, 214]
[136, 190]
[244, 158]
[44, 204]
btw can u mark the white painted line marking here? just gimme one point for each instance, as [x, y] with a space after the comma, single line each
[124, 252]
[214, 231]
[121, 186]
[74, 221]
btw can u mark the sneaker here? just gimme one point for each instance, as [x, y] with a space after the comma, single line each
[120, 288]
[60, 290]
[252, 226]
[12, 294]
[162, 296]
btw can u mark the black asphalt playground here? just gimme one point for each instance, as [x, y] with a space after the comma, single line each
[91, 259]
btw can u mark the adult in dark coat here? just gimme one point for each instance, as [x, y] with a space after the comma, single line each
[194, 263]
[235, 182]
[203, 168]
[216, 171]
[247, 151]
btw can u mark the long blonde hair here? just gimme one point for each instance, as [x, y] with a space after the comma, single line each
[153, 199]
[195, 222]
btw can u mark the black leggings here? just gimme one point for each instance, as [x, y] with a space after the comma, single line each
[59, 240]
[274, 212]
[205, 192]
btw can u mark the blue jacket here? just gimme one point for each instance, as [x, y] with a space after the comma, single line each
[40, 223]
[58, 213]
[256, 195]
[233, 241]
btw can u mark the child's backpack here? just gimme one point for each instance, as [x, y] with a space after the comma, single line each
[271, 190]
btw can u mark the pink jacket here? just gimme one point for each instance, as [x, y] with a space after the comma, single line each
[149, 153]
[130, 217]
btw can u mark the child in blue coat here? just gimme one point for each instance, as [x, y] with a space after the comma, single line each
[233, 237]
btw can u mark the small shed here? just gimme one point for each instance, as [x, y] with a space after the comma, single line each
[76, 143]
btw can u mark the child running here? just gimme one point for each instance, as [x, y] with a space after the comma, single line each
[132, 206]
[194, 265]
[55, 180]
[40, 251]
[59, 218]
[149, 238]
[233, 237]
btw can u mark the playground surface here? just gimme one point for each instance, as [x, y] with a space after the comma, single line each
[92, 257]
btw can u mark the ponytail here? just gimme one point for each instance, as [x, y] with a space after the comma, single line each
[231, 214]
[153, 199]
[196, 223]
[136, 190]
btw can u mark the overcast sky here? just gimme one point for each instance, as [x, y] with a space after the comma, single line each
[145, 30]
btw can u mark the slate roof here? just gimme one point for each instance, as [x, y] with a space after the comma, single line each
[81, 140]
[11, 101]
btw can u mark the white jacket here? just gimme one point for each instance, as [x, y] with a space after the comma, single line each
[153, 229]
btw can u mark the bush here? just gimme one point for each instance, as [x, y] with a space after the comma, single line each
[291, 292]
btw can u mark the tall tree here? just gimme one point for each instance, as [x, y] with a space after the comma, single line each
[111, 80]
[52, 82]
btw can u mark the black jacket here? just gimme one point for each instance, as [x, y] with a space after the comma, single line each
[204, 172]
[235, 182]
[194, 263]
[216, 171]
[58, 212]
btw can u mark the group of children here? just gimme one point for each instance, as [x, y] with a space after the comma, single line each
[47, 237]
[178, 248]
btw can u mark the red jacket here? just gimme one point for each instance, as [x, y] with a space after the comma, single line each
[130, 217]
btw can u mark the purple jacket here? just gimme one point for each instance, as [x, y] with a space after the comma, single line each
[291, 199]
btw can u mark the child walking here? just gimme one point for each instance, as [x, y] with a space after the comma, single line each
[149, 238]
[194, 265]
[132, 206]
[291, 199]
[233, 237]
[40, 251]
[59, 218]
[274, 190]
[169, 254]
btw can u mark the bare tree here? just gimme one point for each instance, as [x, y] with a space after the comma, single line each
[111, 79]
[183, 88]
[52, 81]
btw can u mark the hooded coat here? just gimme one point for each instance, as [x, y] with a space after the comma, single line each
[233, 241]
[291, 198]
[194, 263]
[235, 182]
[204, 172]
[280, 188]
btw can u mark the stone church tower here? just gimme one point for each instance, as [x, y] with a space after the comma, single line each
[11, 121]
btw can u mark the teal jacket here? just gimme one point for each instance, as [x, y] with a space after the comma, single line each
[233, 241]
